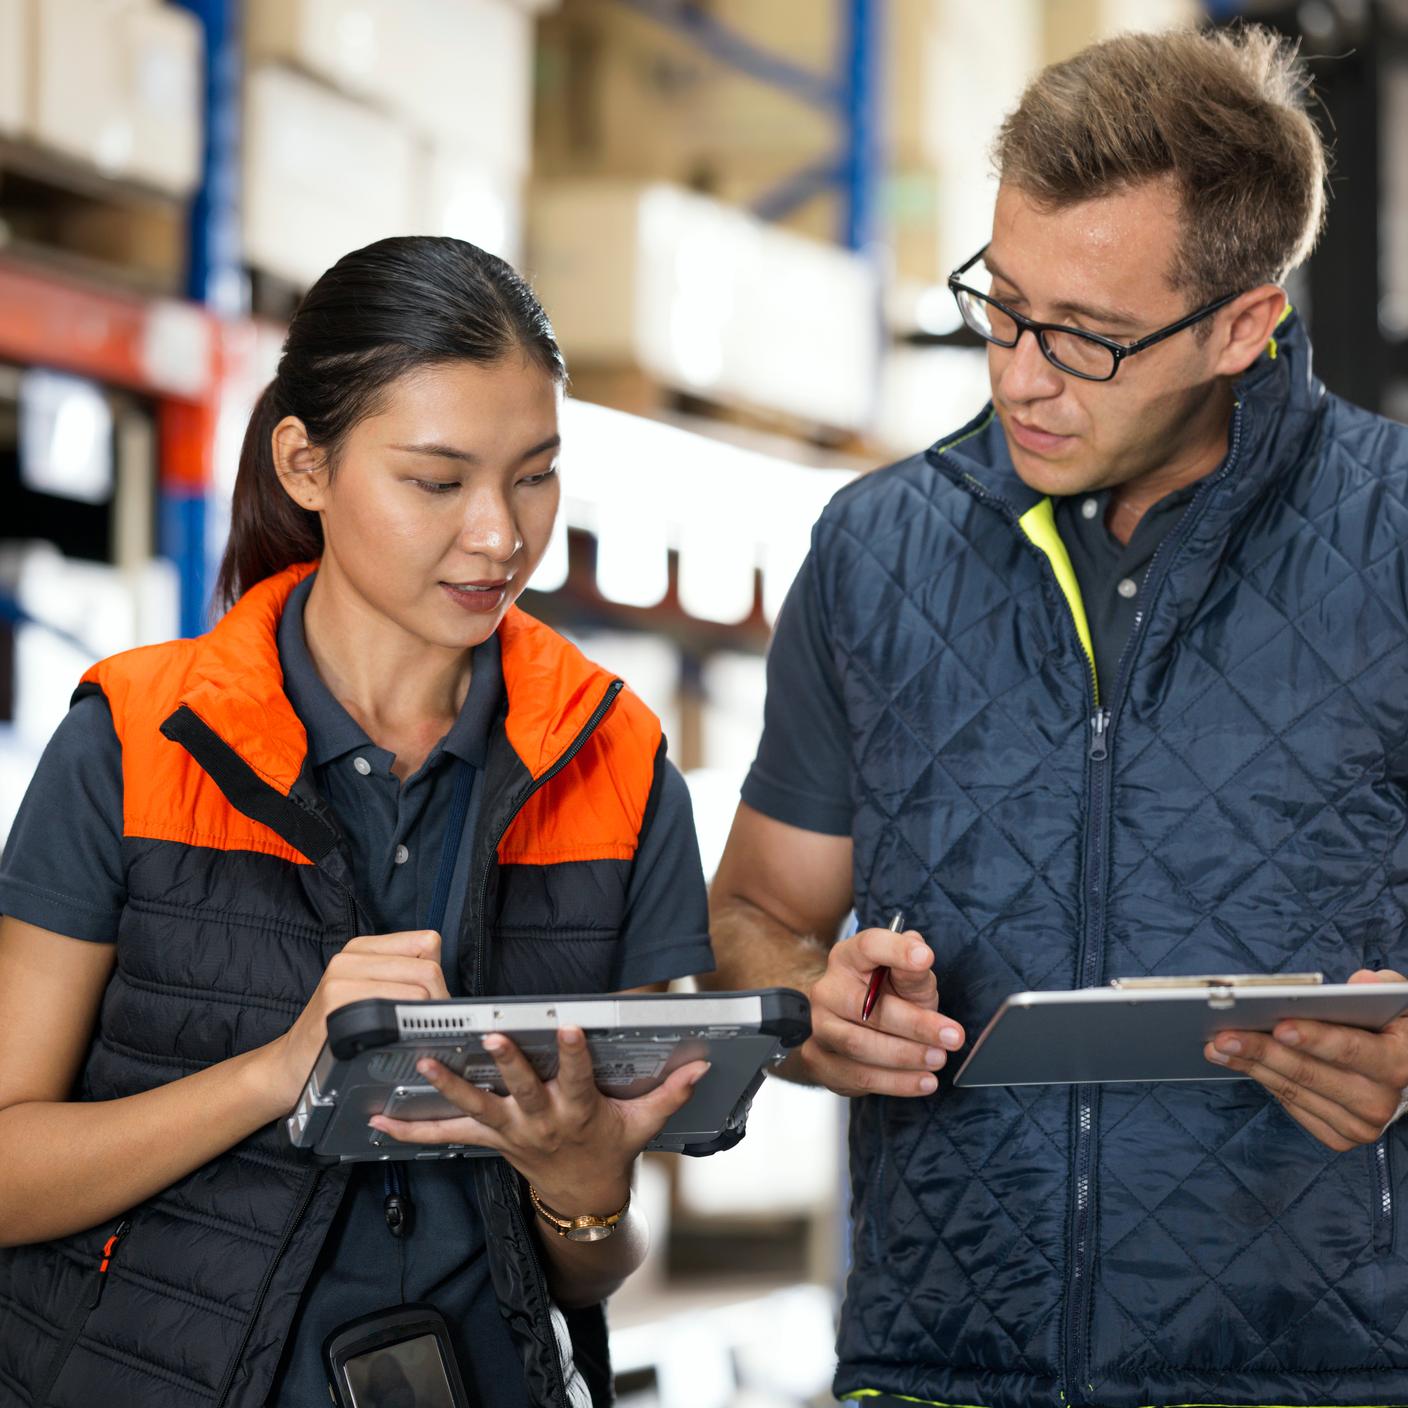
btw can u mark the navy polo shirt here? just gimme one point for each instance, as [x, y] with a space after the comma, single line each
[802, 772]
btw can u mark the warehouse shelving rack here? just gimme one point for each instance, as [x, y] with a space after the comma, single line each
[848, 94]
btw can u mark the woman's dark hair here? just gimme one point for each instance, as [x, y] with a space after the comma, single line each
[378, 313]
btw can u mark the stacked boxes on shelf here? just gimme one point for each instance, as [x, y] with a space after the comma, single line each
[100, 107]
[116, 87]
[706, 299]
[380, 117]
[14, 66]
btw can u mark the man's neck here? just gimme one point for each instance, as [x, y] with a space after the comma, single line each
[1199, 454]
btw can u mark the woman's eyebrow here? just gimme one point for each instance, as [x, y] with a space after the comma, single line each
[451, 452]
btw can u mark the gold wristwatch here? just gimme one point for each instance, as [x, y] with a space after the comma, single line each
[586, 1228]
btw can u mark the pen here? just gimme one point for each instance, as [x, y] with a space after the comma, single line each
[881, 973]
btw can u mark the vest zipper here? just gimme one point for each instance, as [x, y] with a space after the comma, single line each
[540, 1280]
[290, 1227]
[94, 1294]
[1092, 948]
[565, 757]
[1076, 1365]
[1383, 1202]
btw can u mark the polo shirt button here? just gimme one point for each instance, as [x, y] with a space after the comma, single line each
[402, 855]
[1090, 508]
[1127, 587]
[362, 766]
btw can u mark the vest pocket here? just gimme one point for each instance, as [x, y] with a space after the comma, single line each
[90, 1292]
[1382, 1211]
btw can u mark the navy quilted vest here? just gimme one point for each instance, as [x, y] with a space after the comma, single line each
[1243, 810]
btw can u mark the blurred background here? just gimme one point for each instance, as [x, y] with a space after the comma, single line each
[739, 214]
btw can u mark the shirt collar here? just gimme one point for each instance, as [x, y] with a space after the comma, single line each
[333, 732]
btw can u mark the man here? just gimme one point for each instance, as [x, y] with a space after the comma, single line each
[1110, 682]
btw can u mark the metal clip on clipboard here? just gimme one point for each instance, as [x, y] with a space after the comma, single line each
[1220, 986]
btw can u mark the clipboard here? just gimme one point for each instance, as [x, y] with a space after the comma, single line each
[368, 1062]
[1147, 1029]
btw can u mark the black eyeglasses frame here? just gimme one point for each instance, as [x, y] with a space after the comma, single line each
[1118, 350]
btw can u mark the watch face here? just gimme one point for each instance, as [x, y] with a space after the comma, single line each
[588, 1234]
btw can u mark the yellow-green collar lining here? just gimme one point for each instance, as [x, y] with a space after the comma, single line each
[1039, 524]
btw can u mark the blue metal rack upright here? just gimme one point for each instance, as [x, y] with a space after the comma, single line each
[848, 94]
[215, 277]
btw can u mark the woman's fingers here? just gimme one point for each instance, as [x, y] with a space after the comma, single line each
[390, 968]
[483, 1105]
[412, 943]
[519, 1078]
[646, 1115]
[576, 1080]
[462, 1130]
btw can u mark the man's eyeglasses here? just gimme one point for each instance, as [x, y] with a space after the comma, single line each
[1083, 354]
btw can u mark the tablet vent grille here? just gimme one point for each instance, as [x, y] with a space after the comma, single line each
[400, 1066]
[435, 1024]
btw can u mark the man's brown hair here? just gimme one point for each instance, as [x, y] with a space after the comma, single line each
[1220, 113]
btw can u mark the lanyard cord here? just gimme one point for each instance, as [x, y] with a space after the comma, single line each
[399, 1210]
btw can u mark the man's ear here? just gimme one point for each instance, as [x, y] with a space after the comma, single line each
[300, 465]
[1246, 326]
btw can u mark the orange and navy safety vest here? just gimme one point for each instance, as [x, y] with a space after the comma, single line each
[238, 893]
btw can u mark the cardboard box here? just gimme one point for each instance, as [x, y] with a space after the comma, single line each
[323, 175]
[1070, 25]
[15, 62]
[164, 79]
[622, 94]
[341, 41]
[706, 299]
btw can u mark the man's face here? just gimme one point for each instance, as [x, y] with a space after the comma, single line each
[1101, 266]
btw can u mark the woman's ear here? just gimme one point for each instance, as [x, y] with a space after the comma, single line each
[1254, 318]
[300, 465]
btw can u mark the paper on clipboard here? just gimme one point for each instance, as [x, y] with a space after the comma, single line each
[1155, 1029]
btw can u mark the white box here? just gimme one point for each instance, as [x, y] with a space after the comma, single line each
[462, 195]
[15, 62]
[162, 51]
[79, 103]
[927, 393]
[462, 71]
[323, 175]
[459, 71]
[706, 299]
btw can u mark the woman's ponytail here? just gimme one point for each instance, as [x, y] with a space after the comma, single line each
[378, 313]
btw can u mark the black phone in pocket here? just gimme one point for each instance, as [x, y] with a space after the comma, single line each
[400, 1358]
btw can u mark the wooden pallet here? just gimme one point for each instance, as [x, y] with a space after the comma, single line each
[59, 212]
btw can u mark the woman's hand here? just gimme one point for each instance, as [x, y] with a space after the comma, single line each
[403, 967]
[575, 1145]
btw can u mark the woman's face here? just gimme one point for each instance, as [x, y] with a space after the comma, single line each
[442, 503]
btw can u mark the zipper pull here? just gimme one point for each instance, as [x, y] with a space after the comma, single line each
[109, 1250]
[397, 1207]
[1100, 736]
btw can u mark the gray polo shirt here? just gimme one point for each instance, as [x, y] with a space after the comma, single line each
[395, 834]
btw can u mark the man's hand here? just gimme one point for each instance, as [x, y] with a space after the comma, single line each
[1341, 1084]
[906, 1039]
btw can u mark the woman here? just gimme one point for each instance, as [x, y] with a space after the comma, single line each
[375, 777]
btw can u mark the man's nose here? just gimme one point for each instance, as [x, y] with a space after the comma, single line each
[1025, 374]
